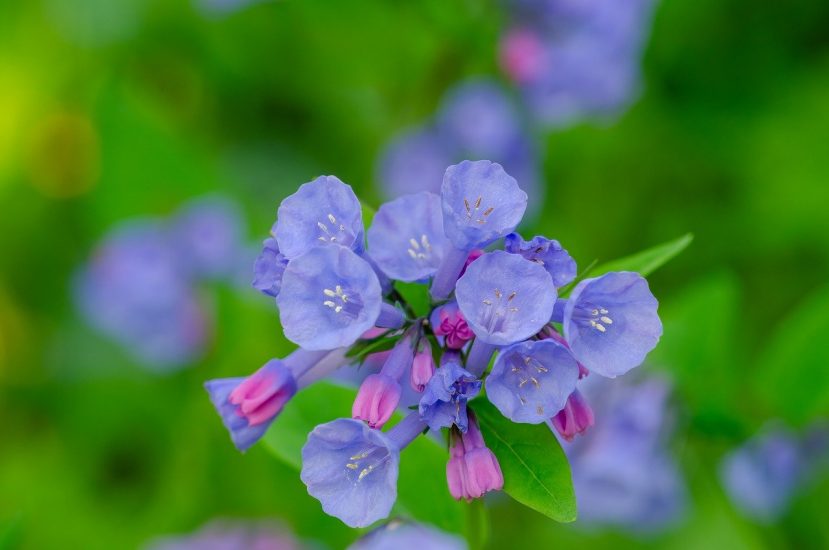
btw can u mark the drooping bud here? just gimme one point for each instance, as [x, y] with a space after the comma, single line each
[574, 418]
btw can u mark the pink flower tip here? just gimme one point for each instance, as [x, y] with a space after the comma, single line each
[574, 418]
[262, 395]
[423, 368]
[378, 397]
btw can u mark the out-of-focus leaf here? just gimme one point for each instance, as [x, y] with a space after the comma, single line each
[422, 491]
[536, 471]
[647, 261]
[792, 374]
[699, 346]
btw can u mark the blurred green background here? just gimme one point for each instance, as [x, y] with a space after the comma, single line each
[110, 110]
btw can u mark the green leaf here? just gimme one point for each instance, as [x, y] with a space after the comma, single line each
[647, 261]
[364, 348]
[536, 471]
[421, 487]
[416, 295]
[793, 376]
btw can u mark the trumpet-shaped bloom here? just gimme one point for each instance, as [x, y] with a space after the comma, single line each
[406, 238]
[544, 251]
[481, 203]
[352, 469]
[329, 297]
[505, 298]
[611, 323]
[444, 399]
[249, 405]
[377, 399]
[269, 268]
[321, 212]
[530, 381]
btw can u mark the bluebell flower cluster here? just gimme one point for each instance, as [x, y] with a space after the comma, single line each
[624, 473]
[140, 288]
[575, 60]
[493, 295]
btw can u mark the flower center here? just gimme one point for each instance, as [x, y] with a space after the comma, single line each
[334, 232]
[474, 212]
[363, 463]
[595, 316]
[498, 310]
[527, 370]
[340, 301]
[420, 250]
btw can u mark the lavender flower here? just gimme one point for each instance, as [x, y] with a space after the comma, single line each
[423, 366]
[611, 323]
[505, 299]
[444, 399]
[207, 233]
[329, 297]
[352, 469]
[548, 253]
[268, 269]
[407, 535]
[481, 203]
[406, 237]
[531, 381]
[324, 211]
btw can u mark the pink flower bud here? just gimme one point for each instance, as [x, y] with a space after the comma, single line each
[472, 469]
[423, 367]
[262, 395]
[521, 55]
[378, 397]
[451, 324]
[574, 418]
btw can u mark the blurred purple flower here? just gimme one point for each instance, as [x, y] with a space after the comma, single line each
[208, 234]
[135, 291]
[623, 472]
[230, 535]
[476, 120]
[576, 60]
[762, 476]
[405, 535]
